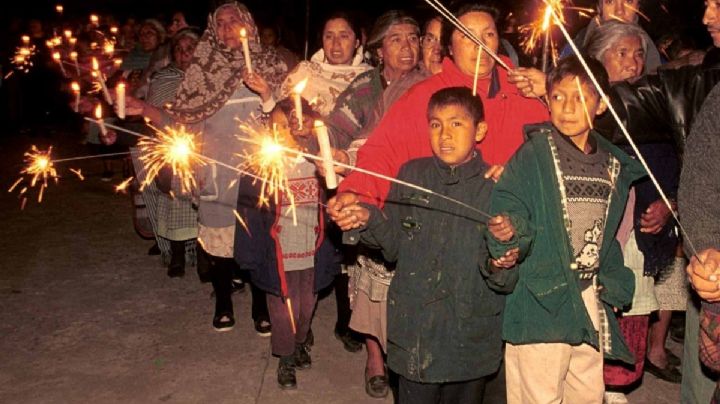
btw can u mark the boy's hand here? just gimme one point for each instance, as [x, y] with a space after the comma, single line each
[704, 275]
[508, 260]
[494, 172]
[501, 228]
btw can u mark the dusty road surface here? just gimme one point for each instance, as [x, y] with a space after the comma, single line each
[87, 316]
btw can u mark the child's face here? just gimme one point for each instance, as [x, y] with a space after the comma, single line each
[280, 123]
[453, 134]
[568, 112]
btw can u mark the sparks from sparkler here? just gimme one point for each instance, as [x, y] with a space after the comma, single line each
[39, 168]
[122, 187]
[625, 132]
[22, 60]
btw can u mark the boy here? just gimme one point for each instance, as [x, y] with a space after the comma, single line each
[563, 194]
[444, 309]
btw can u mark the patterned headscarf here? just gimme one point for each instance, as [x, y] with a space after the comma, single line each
[214, 73]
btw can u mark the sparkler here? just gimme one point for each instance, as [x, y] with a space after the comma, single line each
[625, 132]
[25, 39]
[22, 60]
[40, 168]
[122, 187]
[175, 148]
[297, 91]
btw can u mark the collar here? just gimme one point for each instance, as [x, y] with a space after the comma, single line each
[453, 175]
[358, 59]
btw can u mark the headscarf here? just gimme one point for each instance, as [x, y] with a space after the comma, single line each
[214, 73]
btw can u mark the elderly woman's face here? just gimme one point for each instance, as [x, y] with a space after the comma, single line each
[465, 52]
[623, 10]
[149, 38]
[431, 50]
[339, 42]
[183, 51]
[625, 59]
[401, 47]
[228, 25]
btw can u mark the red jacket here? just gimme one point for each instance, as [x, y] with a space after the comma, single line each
[403, 134]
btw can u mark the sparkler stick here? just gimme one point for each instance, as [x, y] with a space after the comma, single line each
[246, 49]
[76, 89]
[297, 91]
[101, 80]
[625, 132]
[120, 95]
[290, 313]
[546, 40]
[440, 8]
[326, 154]
[584, 103]
[477, 67]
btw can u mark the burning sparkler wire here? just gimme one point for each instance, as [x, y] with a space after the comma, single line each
[625, 132]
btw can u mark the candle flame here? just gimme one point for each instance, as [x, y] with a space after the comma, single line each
[56, 56]
[300, 86]
[59, 8]
[68, 33]
[243, 33]
[114, 29]
[94, 19]
[98, 111]
[95, 64]
[25, 39]
[75, 87]
[73, 55]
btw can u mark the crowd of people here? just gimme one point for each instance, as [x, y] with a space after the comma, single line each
[531, 242]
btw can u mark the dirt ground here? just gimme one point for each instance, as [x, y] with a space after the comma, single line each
[87, 316]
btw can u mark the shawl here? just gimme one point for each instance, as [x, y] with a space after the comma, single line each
[325, 81]
[215, 70]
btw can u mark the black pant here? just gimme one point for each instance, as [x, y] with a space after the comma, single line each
[467, 392]
[342, 302]
[221, 274]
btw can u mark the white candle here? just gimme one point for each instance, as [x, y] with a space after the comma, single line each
[246, 49]
[297, 92]
[326, 154]
[56, 57]
[101, 79]
[120, 93]
[76, 89]
[73, 57]
[25, 39]
[100, 122]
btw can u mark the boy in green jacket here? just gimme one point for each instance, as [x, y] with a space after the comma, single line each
[564, 193]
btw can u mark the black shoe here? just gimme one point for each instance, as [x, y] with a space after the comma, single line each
[286, 373]
[176, 270]
[263, 328]
[669, 374]
[349, 343]
[377, 386]
[672, 359]
[238, 286]
[302, 357]
[223, 322]
[154, 250]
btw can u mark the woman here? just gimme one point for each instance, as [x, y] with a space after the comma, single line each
[616, 10]
[216, 92]
[430, 42]
[648, 241]
[394, 46]
[402, 135]
[332, 68]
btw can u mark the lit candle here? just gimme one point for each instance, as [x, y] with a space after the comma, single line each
[68, 33]
[114, 30]
[297, 91]
[109, 48]
[246, 49]
[120, 95]
[59, 8]
[101, 79]
[56, 57]
[100, 122]
[94, 19]
[73, 57]
[326, 154]
[117, 63]
[76, 89]
[25, 39]
[72, 41]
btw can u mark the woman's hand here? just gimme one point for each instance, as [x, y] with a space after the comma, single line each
[257, 83]
[529, 81]
[655, 217]
[133, 106]
[703, 274]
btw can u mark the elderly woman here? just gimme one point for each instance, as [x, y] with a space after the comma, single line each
[430, 44]
[402, 135]
[216, 92]
[332, 68]
[394, 45]
[616, 10]
[645, 234]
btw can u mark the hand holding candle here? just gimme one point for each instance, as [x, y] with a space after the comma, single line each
[297, 91]
[56, 57]
[100, 122]
[326, 154]
[120, 97]
[246, 49]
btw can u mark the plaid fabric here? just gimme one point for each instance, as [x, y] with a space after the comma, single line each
[709, 343]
